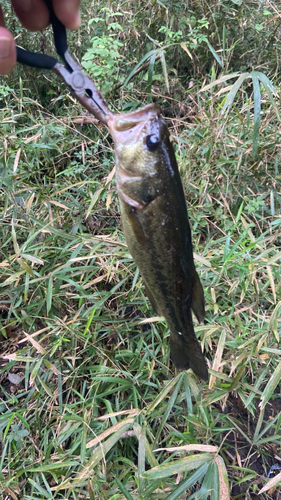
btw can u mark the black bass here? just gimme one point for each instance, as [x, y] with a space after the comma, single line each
[156, 228]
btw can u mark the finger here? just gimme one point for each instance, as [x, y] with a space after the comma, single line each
[33, 14]
[68, 12]
[7, 51]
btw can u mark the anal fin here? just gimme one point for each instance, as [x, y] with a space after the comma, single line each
[198, 302]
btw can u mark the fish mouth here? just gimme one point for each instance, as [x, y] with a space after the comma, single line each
[127, 128]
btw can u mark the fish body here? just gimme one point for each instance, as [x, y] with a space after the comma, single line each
[156, 228]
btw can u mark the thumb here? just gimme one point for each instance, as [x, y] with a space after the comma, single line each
[8, 57]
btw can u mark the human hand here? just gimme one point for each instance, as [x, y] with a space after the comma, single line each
[34, 16]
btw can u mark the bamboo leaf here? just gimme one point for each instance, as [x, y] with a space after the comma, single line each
[35, 344]
[188, 483]
[32, 259]
[257, 112]
[147, 56]
[216, 56]
[94, 200]
[210, 488]
[101, 451]
[258, 427]
[141, 458]
[266, 82]
[276, 257]
[54, 466]
[164, 69]
[170, 405]
[26, 267]
[272, 285]
[123, 489]
[271, 91]
[91, 490]
[231, 96]
[14, 238]
[178, 466]
[270, 386]
[164, 392]
[191, 447]
[148, 450]
[218, 357]
[49, 294]
[223, 479]
[150, 73]
[45, 387]
[98, 440]
[273, 322]
[222, 79]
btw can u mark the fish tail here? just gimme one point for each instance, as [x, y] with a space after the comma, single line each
[198, 302]
[186, 352]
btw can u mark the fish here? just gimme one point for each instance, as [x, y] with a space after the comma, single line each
[156, 228]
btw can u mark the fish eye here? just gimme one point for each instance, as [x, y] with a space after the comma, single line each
[152, 142]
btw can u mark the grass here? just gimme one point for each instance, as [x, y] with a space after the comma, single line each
[92, 370]
[91, 406]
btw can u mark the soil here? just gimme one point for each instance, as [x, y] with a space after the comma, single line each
[265, 460]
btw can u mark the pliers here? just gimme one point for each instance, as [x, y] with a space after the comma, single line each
[71, 72]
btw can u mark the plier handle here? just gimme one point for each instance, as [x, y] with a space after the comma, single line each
[71, 72]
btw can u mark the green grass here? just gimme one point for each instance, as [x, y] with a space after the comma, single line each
[98, 394]
[91, 406]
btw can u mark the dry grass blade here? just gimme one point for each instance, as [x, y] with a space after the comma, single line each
[218, 357]
[223, 479]
[108, 432]
[220, 80]
[35, 344]
[271, 483]
[191, 447]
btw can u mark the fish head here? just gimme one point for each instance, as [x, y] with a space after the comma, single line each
[137, 137]
[140, 140]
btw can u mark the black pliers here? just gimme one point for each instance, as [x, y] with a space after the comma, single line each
[71, 73]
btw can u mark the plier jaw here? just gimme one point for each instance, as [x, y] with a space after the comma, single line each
[82, 87]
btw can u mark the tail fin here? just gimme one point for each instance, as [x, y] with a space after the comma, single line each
[186, 352]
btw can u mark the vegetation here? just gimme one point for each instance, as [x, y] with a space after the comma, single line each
[90, 405]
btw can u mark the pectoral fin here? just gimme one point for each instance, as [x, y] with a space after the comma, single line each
[132, 216]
